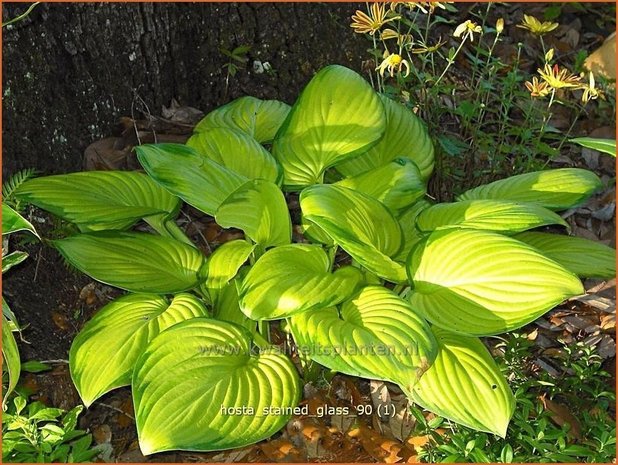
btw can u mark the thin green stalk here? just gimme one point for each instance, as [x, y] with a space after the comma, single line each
[21, 16]
[452, 60]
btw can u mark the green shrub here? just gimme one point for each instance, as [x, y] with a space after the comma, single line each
[383, 285]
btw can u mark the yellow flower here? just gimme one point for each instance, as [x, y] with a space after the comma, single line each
[369, 24]
[402, 39]
[559, 78]
[425, 7]
[424, 48]
[537, 27]
[549, 56]
[393, 63]
[500, 25]
[467, 28]
[590, 91]
[537, 88]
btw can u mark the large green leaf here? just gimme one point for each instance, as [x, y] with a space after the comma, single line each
[360, 224]
[557, 189]
[260, 119]
[602, 145]
[196, 179]
[483, 283]
[236, 151]
[13, 222]
[376, 335]
[10, 358]
[260, 210]
[337, 116]
[98, 200]
[294, 278]
[411, 235]
[585, 258]
[137, 262]
[405, 136]
[397, 184]
[465, 385]
[103, 354]
[191, 384]
[489, 215]
[224, 264]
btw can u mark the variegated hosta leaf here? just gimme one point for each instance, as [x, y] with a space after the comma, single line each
[260, 210]
[585, 258]
[482, 283]
[137, 262]
[237, 151]
[397, 184]
[411, 235]
[99, 200]
[359, 224]
[198, 387]
[376, 335]
[557, 189]
[405, 136]
[10, 358]
[224, 264]
[13, 222]
[194, 178]
[103, 354]
[465, 385]
[489, 215]
[337, 116]
[260, 119]
[12, 259]
[294, 278]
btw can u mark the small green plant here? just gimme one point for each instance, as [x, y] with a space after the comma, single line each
[533, 434]
[35, 433]
[12, 222]
[383, 284]
[237, 57]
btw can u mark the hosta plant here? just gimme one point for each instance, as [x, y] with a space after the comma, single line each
[383, 284]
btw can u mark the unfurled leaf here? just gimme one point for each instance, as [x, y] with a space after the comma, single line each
[465, 385]
[585, 258]
[557, 189]
[196, 179]
[376, 335]
[99, 200]
[260, 119]
[137, 262]
[260, 210]
[227, 307]
[359, 224]
[411, 235]
[200, 379]
[483, 283]
[294, 278]
[397, 184]
[337, 116]
[103, 354]
[13, 222]
[237, 151]
[405, 137]
[10, 358]
[489, 215]
[223, 265]
[602, 145]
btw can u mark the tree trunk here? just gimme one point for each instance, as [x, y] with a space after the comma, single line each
[71, 70]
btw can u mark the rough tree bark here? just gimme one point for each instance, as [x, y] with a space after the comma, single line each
[71, 70]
